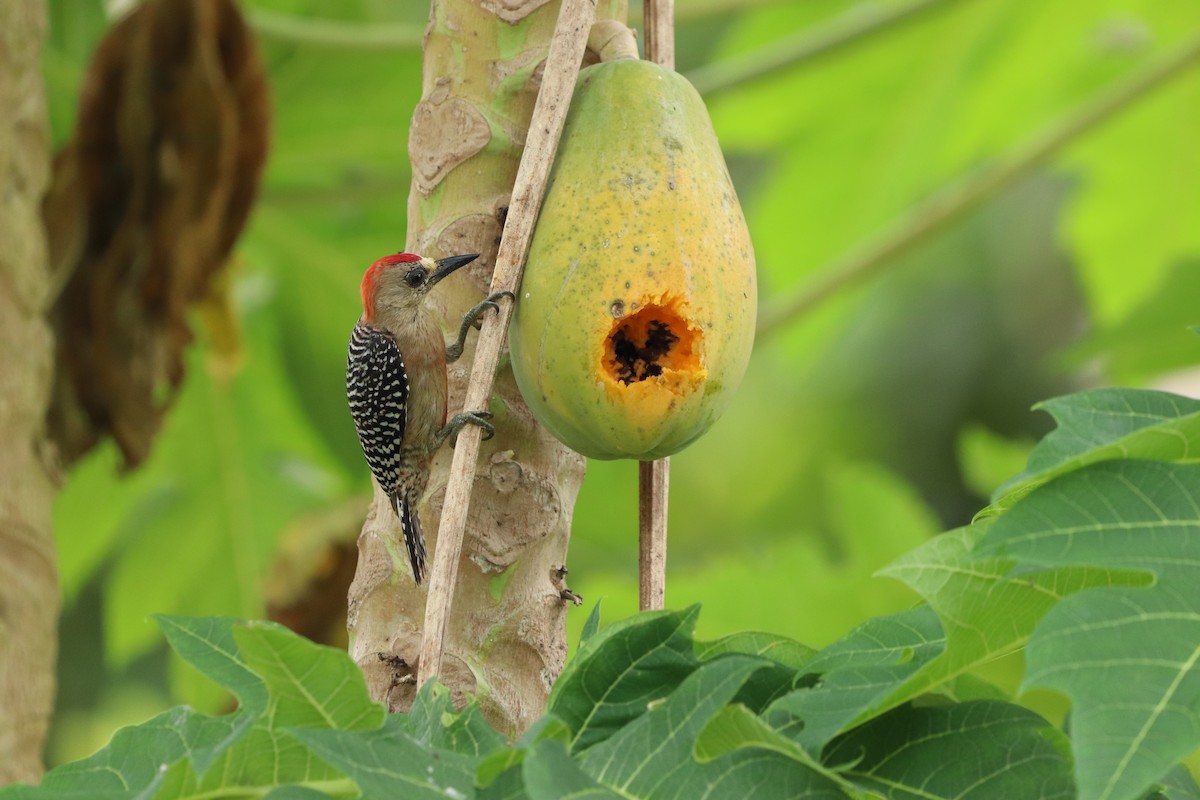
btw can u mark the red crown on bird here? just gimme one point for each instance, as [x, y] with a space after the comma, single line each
[372, 275]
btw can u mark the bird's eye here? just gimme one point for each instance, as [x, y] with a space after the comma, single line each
[415, 277]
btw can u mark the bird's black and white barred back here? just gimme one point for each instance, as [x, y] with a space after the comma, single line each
[377, 388]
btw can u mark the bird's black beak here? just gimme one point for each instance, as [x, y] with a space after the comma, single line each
[448, 265]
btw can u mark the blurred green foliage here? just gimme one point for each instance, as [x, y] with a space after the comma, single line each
[862, 428]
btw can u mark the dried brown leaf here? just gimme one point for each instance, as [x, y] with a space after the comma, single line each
[147, 200]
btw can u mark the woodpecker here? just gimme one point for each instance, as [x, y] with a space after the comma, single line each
[396, 382]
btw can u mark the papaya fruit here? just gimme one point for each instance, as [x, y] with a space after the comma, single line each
[637, 309]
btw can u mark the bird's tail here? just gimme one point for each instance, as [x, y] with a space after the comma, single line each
[410, 526]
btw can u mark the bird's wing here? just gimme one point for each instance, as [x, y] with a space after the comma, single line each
[377, 390]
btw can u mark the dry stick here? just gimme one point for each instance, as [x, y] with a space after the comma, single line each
[545, 127]
[654, 477]
[956, 200]
[323, 32]
[660, 32]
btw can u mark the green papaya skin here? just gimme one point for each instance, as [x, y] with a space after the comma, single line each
[636, 315]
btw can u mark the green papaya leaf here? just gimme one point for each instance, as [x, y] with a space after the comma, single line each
[390, 762]
[551, 773]
[283, 683]
[1103, 424]
[208, 644]
[736, 739]
[500, 775]
[776, 647]
[132, 762]
[310, 685]
[778, 676]
[986, 609]
[735, 727]
[854, 678]
[296, 793]
[646, 751]
[434, 722]
[1127, 658]
[962, 688]
[508, 785]
[653, 756]
[620, 671]
[970, 751]
[1178, 785]
[591, 625]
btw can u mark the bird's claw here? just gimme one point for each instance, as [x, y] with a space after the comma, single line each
[459, 421]
[474, 319]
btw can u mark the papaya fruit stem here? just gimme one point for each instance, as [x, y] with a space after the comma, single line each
[612, 40]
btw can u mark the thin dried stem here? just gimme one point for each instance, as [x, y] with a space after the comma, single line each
[660, 32]
[545, 128]
[654, 481]
[654, 477]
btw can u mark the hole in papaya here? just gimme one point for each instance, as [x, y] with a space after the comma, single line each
[654, 339]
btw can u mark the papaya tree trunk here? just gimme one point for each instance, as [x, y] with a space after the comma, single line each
[29, 600]
[506, 641]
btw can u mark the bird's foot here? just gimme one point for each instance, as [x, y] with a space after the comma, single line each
[459, 421]
[474, 319]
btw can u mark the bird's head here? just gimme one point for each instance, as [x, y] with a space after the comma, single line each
[402, 280]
